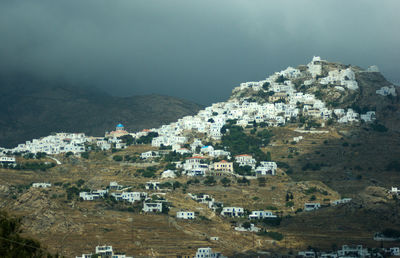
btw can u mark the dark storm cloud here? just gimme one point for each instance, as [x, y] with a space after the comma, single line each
[197, 50]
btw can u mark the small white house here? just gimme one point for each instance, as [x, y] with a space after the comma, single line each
[149, 154]
[152, 207]
[168, 174]
[232, 212]
[251, 229]
[104, 250]
[312, 206]
[340, 201]
[130, 196]
[114, 186]
[245, 160]
[41, 185]
[261, 215]
[152, 185]
[207, 253]
[266, 168]
[7, 160]
[185, 215]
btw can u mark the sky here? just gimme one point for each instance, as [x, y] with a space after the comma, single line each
[196, 50]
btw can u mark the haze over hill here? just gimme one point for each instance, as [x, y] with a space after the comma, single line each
[31, 108]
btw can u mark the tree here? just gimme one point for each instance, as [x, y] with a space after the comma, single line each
[128, 139]
[13, 245]
[246, 225]
[243, 180]
[176, 184]
[225, 181]
[170, 166]
[85, 155]
[266, 86]
[209, 180]
[280, 79]
[80, 182]
[117, 158]
[72, 192]
[147, 138]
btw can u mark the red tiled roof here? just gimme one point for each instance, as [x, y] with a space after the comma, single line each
[196, 157]
[243, 155]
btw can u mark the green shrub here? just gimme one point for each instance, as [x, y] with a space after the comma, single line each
[289, 204]
[117, 158]
[274, 235]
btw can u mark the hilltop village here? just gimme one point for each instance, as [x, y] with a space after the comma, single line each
[225, 141]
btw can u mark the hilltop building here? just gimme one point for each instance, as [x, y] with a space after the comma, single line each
[119, 131]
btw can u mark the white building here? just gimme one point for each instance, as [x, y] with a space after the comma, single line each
[185, 215]
[7, 160]
[312, 206]
[114, 186]
[207, 253]
[130, 196]
[252, 228]
[340, 201]
[387, 90]
[245, 160]
[168, 174]
[41, 185]
[152, 185]
[152, 207]
[232, 212]
[90, 196]
[149, 154]
[261, 215]
[266, 168]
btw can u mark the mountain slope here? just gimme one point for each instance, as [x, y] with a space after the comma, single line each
[32, 108]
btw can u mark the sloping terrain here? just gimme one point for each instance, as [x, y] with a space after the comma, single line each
[32, 108]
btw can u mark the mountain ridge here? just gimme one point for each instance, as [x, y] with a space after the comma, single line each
[31, 110]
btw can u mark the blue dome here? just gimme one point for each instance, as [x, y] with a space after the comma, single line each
[120, 125]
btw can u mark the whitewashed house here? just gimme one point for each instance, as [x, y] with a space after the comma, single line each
[152, 207]
[185, 215]
[252, 228]
[207, 253]
[261, 215]
[245, 160]
[168, 174]
[232, 212]
[7, 160]
[387, 90]
[312, 206]
[266, 168]
[149, 154]
[114, 186]
[152, 185]
[41, 185]
[340, 201]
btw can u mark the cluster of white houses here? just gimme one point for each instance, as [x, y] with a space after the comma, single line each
[213, 118]
[104, 251]
[198, 165]
[285, 103]
[352, 251]
[206, 199]
[55, 144]
[132, 197]
[70, 142]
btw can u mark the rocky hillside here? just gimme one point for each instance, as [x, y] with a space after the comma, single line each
[31, 108]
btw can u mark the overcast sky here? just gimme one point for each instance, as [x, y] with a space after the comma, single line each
[197, 50]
